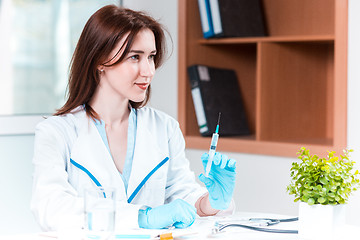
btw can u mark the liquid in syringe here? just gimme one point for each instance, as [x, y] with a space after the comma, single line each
[212, 150]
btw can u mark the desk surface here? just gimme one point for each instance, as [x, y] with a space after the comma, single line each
[201, 229]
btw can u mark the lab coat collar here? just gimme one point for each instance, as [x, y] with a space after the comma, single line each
[90, 152]
[147, 154]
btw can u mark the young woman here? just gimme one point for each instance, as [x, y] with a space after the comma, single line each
[105, 136]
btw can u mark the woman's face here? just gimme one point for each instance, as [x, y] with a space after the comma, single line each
[131, 77]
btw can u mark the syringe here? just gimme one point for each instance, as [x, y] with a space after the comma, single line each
[212, 150]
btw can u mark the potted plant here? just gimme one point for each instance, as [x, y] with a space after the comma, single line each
[323, 186]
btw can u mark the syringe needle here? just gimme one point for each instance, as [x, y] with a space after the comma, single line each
[219, 118]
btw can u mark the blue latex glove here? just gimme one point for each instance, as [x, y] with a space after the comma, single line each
[178, 213]
[221, 180]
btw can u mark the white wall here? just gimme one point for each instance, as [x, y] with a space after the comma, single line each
[261, 181]
[16, 181]
[353, 133]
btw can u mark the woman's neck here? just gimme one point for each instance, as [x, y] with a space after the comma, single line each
[111, 110]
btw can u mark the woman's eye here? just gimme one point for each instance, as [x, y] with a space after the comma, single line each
[135, 57]
[152, 56]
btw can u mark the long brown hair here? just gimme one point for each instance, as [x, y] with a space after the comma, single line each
[102, 32]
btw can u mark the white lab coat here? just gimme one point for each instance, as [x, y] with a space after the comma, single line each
[59, 185]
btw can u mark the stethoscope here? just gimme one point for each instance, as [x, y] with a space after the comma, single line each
[219, 227]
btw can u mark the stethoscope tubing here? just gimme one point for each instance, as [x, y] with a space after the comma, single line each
[273, 221]
[269, 223]
[258, 228]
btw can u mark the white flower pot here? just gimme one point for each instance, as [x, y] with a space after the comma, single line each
[320, 221]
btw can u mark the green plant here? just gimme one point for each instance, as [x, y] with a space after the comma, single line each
[323, 180]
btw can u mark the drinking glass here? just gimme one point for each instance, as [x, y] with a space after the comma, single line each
[100, 208]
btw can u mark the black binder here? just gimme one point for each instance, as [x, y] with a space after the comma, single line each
[237, 18]
[217, 90]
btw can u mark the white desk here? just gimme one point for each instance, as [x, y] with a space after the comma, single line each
[202, 229]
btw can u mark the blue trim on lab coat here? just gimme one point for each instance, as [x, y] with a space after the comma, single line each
[138, 188]
[146, 178]
[86, 171]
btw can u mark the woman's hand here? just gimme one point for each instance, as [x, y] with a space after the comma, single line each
[178, 213]
[221, 180]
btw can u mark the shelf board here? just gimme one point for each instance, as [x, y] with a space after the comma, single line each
[248, 144]
[245, 40]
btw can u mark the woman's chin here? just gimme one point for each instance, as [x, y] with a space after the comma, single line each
[138, 99]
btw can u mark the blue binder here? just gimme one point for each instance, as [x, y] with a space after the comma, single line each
[206, 19]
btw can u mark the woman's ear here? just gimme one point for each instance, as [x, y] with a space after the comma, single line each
[101, 68]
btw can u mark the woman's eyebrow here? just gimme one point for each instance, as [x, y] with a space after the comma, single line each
[140, 51]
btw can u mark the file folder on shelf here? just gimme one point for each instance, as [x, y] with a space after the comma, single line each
[205, 18]
[233, 18]
[217, 90]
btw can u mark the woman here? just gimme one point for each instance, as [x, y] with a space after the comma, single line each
[105, 136]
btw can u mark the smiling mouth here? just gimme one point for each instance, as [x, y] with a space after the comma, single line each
[142, 86]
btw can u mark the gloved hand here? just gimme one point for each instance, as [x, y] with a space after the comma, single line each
[221, 180]
[178, 213]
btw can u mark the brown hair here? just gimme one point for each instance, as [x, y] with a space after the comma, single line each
[102, 32]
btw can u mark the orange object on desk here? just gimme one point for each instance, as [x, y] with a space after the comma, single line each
[166, 236]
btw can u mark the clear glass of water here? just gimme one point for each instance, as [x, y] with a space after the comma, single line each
[100, 208]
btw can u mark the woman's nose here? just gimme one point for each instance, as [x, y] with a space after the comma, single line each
[147, 69]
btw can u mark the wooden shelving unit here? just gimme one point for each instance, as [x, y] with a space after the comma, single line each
[293, 81]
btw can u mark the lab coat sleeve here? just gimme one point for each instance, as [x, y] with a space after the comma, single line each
[181, 180]
[126, 216]
[53, 199]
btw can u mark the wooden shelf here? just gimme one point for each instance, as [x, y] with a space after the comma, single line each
[293, 81]
[308, 38]
[250, 145]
